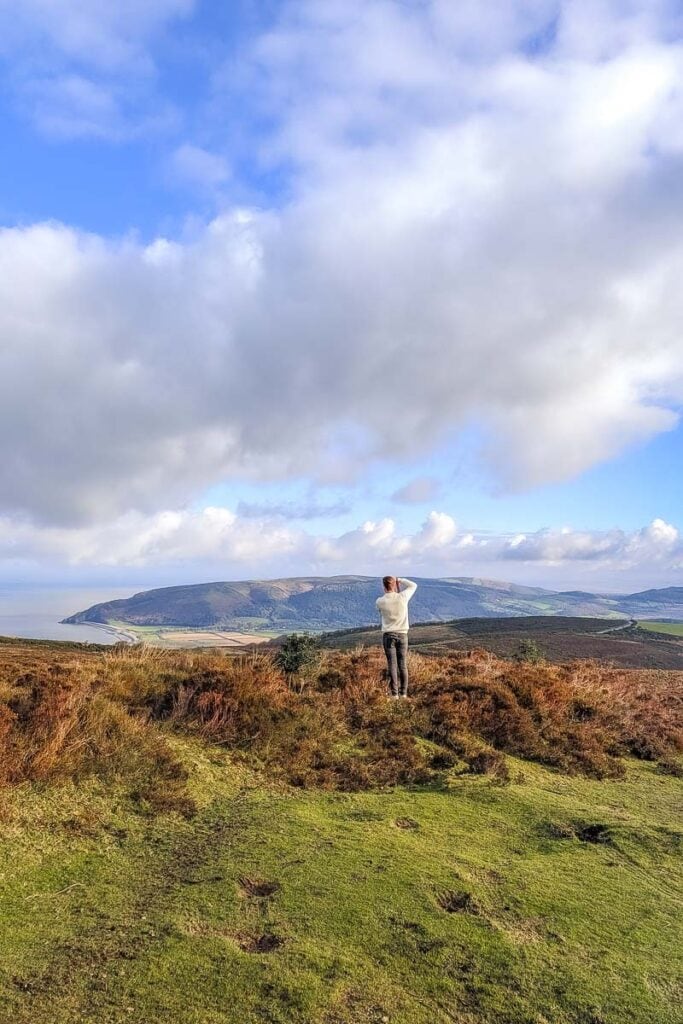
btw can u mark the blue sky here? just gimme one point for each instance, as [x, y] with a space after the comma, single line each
[294, 287]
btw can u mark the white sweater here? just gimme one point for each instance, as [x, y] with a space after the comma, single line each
[393, 607]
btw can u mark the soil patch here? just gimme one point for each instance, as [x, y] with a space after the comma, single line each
[595, 833]
[264, 943]
[457, 902]
[258, 887]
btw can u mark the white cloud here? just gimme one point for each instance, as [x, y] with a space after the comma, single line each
[483, 227]
[99, 33]
[439, 531]
[197, 166]
[218, 542]
[659, 543]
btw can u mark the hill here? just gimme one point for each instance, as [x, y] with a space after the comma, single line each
[324, 603]
[194, 838]
[557, 638]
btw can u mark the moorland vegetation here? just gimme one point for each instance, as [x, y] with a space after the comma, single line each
[327, 724]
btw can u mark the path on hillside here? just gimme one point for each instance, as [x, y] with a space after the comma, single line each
[617, 629]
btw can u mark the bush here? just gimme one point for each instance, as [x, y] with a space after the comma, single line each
[529, 651]
[297, 652]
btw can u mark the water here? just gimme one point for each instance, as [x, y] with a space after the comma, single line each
[35, 613]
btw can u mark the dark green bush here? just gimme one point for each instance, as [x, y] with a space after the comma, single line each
[297, 652]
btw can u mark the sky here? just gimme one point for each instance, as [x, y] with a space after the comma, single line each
[300, 287]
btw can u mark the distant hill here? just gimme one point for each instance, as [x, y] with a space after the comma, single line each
[338, 602]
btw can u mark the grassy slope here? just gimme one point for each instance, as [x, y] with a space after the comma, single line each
[110, 916]
[673, 628]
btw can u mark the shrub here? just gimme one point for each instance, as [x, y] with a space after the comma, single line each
[297, 652]
[62, 724]
[528, 651]
[670, 766]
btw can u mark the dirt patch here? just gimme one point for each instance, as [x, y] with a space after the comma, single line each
[267, 942]
[417, 935]
[595, 833]
[258, 887]
[457, 902]
[407, 823]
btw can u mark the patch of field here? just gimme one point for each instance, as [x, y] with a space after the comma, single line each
[207, 638]
[175, 637]
[672, 628]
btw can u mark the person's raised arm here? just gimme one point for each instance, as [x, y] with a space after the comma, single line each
[409, 587]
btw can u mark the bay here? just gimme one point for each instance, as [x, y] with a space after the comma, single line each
[35, 613]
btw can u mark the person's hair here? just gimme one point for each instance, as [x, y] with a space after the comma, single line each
[387, 581]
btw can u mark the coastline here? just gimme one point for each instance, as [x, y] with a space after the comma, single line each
[121, 635]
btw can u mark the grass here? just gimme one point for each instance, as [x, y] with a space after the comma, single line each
[111, 916]
[673, 628]
[157, 865]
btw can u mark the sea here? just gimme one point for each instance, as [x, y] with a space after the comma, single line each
[34, 613]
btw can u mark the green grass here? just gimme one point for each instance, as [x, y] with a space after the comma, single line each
[674, 628]
[109, 915]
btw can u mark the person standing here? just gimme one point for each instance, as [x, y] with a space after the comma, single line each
[393, 609]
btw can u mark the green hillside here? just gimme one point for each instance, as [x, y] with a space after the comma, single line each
[337, 602]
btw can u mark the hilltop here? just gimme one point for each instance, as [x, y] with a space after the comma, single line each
[197, 837]
[322, 603]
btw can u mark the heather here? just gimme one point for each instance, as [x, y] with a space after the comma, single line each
[329, 725]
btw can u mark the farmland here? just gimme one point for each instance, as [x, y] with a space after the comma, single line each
[669, 628]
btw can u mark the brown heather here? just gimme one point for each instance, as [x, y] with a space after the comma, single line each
[65, 714]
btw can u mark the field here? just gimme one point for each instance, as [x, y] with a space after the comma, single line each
[191, 838]
[176, 637]
[672, 628]
[559, 639]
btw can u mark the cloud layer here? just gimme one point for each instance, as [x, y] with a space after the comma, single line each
[480, 228]
[218, 543]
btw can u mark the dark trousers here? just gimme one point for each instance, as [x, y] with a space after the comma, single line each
[396, 648]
